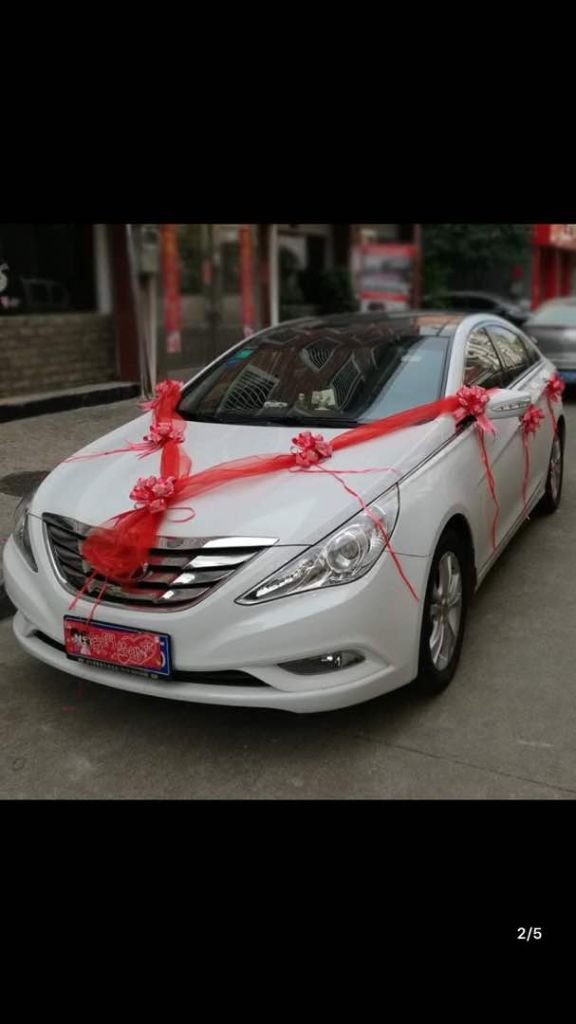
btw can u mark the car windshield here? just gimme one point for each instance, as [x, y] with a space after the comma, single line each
[555, 314]
[316, 374]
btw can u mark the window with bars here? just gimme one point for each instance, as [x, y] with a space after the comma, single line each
[318, 354]
[249, 391]
[346, 382]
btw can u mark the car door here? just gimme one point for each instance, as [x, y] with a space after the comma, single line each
[525, 371]
[484, 367]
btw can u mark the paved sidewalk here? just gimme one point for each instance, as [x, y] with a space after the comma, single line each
[17, 407]
[29, 447]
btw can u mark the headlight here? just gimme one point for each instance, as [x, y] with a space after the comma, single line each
[21, 532]
[344, 556]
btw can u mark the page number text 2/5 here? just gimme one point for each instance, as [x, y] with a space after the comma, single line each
[528, 934]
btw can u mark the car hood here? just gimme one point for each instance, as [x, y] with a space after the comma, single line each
[291, 507]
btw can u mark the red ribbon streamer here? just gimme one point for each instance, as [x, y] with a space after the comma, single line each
[380, 526]
[145, 447]
[119, 547]
[491, 485]
[554, 389]
[526, 473]
[531, 422]
[552, 416]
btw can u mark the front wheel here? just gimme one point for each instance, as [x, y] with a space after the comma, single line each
[444, 615]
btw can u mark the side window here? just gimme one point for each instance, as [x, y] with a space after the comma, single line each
[483, 367]
[532, 349]
[512, 351]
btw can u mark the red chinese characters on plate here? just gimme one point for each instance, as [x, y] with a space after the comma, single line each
[126, 648]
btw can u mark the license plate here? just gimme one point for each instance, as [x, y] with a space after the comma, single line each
[120, 648]
[568, 375]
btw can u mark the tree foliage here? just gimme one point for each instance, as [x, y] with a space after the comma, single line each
[453, 250]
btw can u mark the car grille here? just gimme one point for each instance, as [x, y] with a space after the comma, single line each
[179, 572]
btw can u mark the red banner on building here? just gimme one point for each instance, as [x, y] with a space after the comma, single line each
[562, 236]
[171, 288]
[553, 261]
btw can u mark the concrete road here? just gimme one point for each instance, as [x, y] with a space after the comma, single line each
[505, 729]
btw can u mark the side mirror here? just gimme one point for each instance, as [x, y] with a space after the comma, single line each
[508, 404]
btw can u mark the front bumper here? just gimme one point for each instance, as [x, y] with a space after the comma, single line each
[376, 615]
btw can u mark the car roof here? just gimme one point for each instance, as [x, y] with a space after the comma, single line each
[402, 320]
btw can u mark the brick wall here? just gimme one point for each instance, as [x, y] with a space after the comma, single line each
[51, 353]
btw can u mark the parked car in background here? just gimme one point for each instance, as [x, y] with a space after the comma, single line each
[478, 302]
[553, 328]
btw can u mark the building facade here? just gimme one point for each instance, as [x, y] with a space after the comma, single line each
[81, 304]
[553, 261]
[57, 323]
[238, 278]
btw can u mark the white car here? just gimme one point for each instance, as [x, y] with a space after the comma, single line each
[281, 592]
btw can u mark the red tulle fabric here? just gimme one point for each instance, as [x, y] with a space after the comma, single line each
[117, 549]
[167, 426]
[163, 406]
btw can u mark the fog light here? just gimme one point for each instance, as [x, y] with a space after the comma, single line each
[323, 663]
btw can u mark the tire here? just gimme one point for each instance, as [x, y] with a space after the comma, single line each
[442, 631]
[553, 493]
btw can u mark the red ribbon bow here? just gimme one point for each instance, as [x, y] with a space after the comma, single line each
[160, 433]
[531, 420]
[473, 401]
[151, 493]
[309, 449]
[554, 388]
